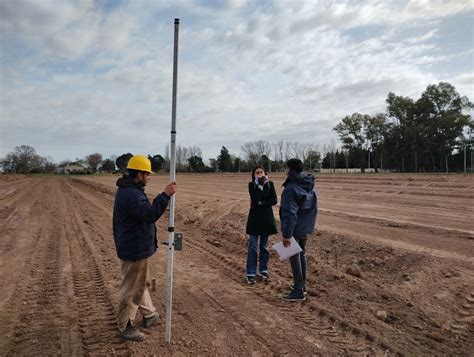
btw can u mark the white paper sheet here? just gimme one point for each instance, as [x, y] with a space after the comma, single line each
[287, 252]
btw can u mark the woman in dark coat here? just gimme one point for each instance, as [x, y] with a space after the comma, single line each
[260, 223]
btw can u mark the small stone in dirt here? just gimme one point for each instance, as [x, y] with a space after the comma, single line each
[378, 261]
[435, 336]
[409, 304]
[354, 270]
[385, 296]
[406, 277]
[381, 315]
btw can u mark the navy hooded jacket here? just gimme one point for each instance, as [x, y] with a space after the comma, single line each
[298, 206]
[134, 220]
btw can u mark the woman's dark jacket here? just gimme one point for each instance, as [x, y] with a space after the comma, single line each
[261, 220]
[298, 206]
[134, 220]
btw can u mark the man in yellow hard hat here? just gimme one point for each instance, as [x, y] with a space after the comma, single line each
[135, 241]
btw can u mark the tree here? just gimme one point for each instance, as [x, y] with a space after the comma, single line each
[352, 131]
[224, 160]
[312, 160]
[122, 161]
[254, 150]
[237, 165]
[196, 164]
[22, 160]
[108, 165]
[213, 164]
[442, 119]
[157, 162]
[93, 161]
[402, 140]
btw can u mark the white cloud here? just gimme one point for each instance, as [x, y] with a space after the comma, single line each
[283, 70]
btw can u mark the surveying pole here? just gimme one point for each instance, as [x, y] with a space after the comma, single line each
[171, 233]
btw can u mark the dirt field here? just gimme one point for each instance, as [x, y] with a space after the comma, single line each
[397, 246]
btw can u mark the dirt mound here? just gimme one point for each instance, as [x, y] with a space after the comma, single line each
[12, 177]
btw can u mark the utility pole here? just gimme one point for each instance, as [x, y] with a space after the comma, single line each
[416, 162]
[465, 147]
[171, 233]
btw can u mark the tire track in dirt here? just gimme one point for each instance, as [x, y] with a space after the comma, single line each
[39, 299]
[10, 211]
[464, 320]
[214, 206]
[96, 313]
[327, 331]
[367, 218]
[332, 330]
[232, 316]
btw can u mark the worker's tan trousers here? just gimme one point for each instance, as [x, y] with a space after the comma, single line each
[134, 293]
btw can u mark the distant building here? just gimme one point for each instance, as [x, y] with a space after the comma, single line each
[74, 169]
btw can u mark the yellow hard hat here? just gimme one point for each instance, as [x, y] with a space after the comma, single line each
[139, 163]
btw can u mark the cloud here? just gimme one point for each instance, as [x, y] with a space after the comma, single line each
[82, 77]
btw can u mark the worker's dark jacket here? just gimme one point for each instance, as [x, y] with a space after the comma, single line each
[298, 206]
[261, 220]
[134, 220]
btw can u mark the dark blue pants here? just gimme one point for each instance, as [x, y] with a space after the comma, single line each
[298, 266]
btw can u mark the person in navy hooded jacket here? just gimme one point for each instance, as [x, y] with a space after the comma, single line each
[135, 241]
[298, 210]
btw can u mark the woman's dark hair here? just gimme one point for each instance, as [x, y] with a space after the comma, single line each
[295, 165]
[132, 173]
[255, 169]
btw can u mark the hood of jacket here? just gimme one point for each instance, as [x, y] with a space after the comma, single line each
[305, 181]
[127, 181]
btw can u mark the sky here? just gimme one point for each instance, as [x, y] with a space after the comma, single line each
[80, 77]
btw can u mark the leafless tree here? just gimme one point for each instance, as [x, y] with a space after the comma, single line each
[195, 151]
[251, 152]
[93, 160]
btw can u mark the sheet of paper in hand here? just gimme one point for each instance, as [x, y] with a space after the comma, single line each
[287, 252]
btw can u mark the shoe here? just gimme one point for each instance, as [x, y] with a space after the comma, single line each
[151, 321]
[292, 288]
[264, 276]
[294, 296]
[131, 334]
[250, 280]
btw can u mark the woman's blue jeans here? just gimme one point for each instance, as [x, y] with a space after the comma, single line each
[252, 255]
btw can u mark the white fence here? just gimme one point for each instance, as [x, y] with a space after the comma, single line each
[345, 171]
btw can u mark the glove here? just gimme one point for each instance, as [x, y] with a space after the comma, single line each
[263, 180]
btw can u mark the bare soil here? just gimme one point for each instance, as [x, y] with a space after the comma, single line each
[391, 270]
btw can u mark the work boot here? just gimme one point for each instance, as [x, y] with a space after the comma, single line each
[294, 296]
[151, 321]
[292, 287]
[131, 334]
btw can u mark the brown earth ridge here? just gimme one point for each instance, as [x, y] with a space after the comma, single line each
[391, 270]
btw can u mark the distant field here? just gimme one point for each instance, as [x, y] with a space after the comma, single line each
[399, 246]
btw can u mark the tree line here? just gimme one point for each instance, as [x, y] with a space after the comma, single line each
[427, 134]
